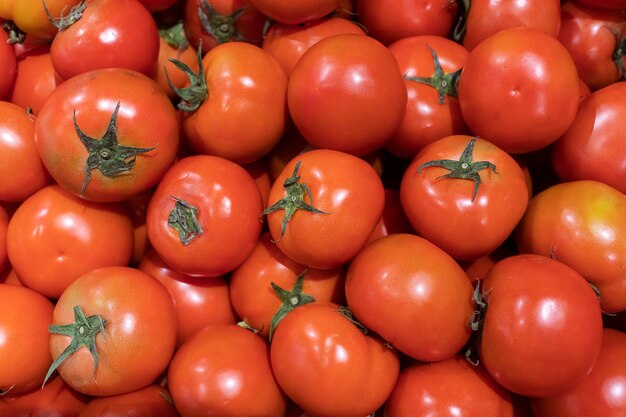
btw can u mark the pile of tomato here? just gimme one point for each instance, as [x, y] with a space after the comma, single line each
[326, 208]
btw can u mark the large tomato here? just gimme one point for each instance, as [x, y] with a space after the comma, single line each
[151, 401]
[321, 195]
[113, 332]
[4, 226]
[519, 89]
[8, 64]
[203, 218]
[327, 366]
[107, 135]
[542, 331]
[294, 12]
[30, 16]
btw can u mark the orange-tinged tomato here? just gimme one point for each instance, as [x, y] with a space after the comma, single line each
[30, 15]
[151, 401]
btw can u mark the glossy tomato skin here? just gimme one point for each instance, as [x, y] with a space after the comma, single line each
[68, 236]
[146, 120]
[228, 204]
[583, 225]
[600, 393]
[150, 401]
[30, 16]
[506, 100]
[139, 334]
[225, 370]
[593, 146]
[165, 68]
[413, 295]
[293, 13]
[538, 309]
[8, 65]
[315, 349]
[452, 384]
[344, 187]
[4, 226]
[24, 356]
[105, 37]
[445, 211]
[347, 93]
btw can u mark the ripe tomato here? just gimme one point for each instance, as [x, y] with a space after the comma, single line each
[436, 389]
[293, 13]
[4, 225]
[412, 294]
[316, 349]
[542, 330]
[107, 135]
[103, 37]
[519, 89]
[464, 194]
[30, 15]
[151, 401]
[224, 370]
[393, 219]
[347, 93]
[583, 225]
[203, 219]
[606, 4]
[320, 195]
[125, 319]
[8, 64]
[158, 5]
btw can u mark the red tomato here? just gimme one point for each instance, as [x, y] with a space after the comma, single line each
[606, 4]
[8, 65]
[260, 173]
[30, 15]
[347, 93]
[431, 66]
[138, 206]
[593, 147]
[117, 130]
[104, 37]
[447, 388]
[158, 5]
[393, 219]
[542, 330]
[199, 301]
[68, 236]
[519, 89]
[295, 12]
[320, 195]
[464, 194]
[203, 218]
[224, 370]
[151, 401]
[126, 321]
[4, 225]
[412, 294]
[316, 349]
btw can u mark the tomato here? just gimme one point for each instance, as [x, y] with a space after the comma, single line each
[125, 319]
[593, 147]
[600, 393]
[224, 370]
[68, 236]
[260, 173]
[8, 65]
[138, 206]
[436, 389]
[107, 135]
[393, 219]
[21, 168]
[592, 36]
[4, 225]
[606, 4]
[158, 5]
[30, 16]
[316, 349]
[238, 81]
[293, 13]
[203, 219]
[542, 330]
[413, 295]
[519, 89]
[485, 18]
[583, 225]
[464, 194]
[347, 93]
[151, 401]
[320, 195]
[199, 301]
[251, 290]
[24, 355]
[391, 21]
[104, 37]
[431, 66]
[287, 43]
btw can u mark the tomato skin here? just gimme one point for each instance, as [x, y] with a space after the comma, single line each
[538, 310]
[345, 187]
[293, 13]
[139, 337]
[593, 146]
[347, 93]
[30, 16]
[525, 109]
[441, 209]
[451, 384]
[315, 349]
[209, 377]
[8, 65]
[229, 204]
[150, 401]
[393, 219]
[583, 225]
[606, 4]
[146, 119]
[158, 5]
[4, 226]
[165, 67]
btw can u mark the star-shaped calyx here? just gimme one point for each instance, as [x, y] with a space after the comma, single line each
[464, 168]
[106, 154]
[184, 219]
[220, 27]
[290, 299]
[445, 83]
